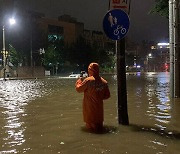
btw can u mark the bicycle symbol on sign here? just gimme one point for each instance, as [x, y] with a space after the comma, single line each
[120, 29]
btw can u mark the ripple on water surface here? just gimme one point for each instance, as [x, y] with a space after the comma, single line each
[52, 124]
[14, 96]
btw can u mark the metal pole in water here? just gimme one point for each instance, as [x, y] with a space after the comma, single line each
[176, 49]
[121, 84]
[171, 49]
[120, 67]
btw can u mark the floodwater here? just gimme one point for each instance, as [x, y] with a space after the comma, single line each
[44, 116]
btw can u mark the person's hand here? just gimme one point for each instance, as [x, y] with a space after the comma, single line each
[82, 78]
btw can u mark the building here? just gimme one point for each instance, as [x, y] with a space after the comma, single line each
[64, 27]
[158, 59]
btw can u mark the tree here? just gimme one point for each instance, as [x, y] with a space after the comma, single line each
[105, 58]
[77, 56]
[80, 54]
[161, 7]
[83, 53]
[54, 54]
[15, 57]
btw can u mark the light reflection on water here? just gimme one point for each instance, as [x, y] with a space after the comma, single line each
[152, 92]
[45, 116]
[14, 96]
[162, 106]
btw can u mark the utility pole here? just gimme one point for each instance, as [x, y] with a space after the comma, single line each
[4, 54]
[31, 43]
[171, 47]
[174, 48]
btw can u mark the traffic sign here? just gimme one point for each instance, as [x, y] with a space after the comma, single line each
[116, 24]
[120, 4]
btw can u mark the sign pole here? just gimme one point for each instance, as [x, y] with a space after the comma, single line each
[121, 84]
[116, 25]
[121, 66]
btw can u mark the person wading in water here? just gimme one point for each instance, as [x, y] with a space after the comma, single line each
[95, 90]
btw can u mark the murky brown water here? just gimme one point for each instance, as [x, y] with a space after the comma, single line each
[45, 117]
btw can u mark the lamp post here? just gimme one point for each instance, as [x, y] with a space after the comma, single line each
[4, 52]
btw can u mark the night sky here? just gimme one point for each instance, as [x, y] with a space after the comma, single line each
[144, 26]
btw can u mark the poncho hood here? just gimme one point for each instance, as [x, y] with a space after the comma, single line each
[93, 69]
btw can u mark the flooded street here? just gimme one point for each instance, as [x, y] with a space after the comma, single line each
[44, 116]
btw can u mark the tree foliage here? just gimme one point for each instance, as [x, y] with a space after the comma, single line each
[77, 56]
[54, 54]
[15, 57]
[161, 7]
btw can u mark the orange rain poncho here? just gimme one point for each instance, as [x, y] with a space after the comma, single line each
[95, 90]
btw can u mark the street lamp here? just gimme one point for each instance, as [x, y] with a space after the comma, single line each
[12, 21]
[4, 52]
[150, 55]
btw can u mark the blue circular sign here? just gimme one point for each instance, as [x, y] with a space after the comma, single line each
[116, 24]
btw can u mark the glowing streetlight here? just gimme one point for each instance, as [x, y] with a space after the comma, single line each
[12, 21]
[163, 44]
[149, 55]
